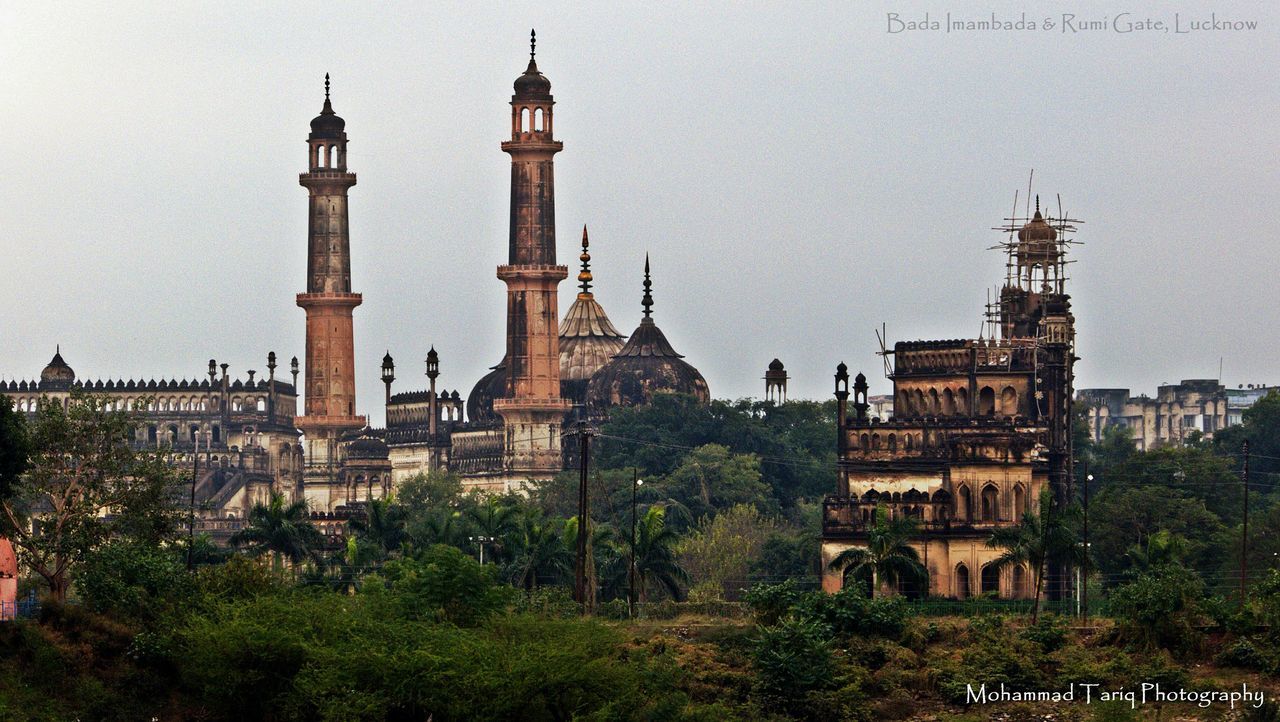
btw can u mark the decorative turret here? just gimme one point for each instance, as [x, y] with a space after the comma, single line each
[57, 376]
[775, 382]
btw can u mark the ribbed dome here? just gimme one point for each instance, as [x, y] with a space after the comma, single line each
[532, 84]
[645, 366]
[57, 374]
[1037, 229]
[587, 341]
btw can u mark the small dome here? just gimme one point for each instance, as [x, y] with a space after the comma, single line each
[1037, 229]
[775, 365]
[57, 373]
[327, 125]
[532, 84]
[367, 446]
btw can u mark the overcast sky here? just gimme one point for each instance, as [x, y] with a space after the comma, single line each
[798, 174]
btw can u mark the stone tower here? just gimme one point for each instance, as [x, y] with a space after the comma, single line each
[532, 409]
[329, 376]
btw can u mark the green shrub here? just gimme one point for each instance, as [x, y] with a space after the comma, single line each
[550, 602]
[1050, 632]
[771, 602]
[1243, 654]
[1161, 608]
[793, 658]
[444, 584]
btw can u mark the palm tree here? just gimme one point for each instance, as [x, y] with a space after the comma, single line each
[888, 558]
[1043, 537]
[537, 551]
[1162, 548]
[382, 527]
[284, 530]
[655, 556]
[493, 521]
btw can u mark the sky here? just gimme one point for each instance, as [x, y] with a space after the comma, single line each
[798, 174]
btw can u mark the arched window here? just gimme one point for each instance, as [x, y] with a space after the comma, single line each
[1019, 501]
[524, 120]
[1009, 401]
[152, 434]
[962, 588]
[217, 434]
[907, 441]
[934, 406]
[990, 503]
[1019, 582]
[991, 579]
[964, 504]
[893, 442]
[962, 401]
[948, 403]
[537, 119]
[987, 401]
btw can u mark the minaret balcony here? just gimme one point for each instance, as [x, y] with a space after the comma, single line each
[533, 271]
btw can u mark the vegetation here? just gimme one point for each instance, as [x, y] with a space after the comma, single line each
[406, 622]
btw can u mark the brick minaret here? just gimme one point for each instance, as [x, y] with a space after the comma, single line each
[532, 410]
[329, 377]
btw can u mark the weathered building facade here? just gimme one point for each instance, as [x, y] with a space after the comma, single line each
[980, 428]
[236, 435]
[1178, 413]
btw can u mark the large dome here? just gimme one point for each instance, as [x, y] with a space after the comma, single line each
[587, 337]
[492, 385]
[645, 366]
[57, 374]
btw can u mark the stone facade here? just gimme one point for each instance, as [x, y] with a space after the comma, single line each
[979, 429]
[1194, 407]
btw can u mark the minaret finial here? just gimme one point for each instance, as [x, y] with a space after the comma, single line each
[584, 276]
[326, 86]
[1037, 204]
[533, 42]
[648, 285]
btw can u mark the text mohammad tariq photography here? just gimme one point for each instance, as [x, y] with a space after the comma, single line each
[1122, 23]
[1146, 693]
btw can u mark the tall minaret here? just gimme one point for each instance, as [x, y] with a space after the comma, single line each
[532, 410]
[329, 376]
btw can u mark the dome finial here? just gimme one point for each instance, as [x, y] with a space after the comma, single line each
[1037, 204]
[326, 86]
[533, 42]
[647, 302]
[584, 276]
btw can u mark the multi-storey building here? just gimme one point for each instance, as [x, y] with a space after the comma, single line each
[1178, 413]
[980, 429]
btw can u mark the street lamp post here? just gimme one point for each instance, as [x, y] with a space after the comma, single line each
[481, 541]
[636, 481]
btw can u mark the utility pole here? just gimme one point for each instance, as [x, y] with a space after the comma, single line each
[580, 568]
[1084, 582]
[631, 563]
[1244, 536]
[191, 521]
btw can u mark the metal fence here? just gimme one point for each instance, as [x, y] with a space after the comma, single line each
[20, 609]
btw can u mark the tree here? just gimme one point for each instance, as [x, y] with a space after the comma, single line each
[284, 530]
[538, 554]
[721, 549]
[382, 527]
[712, 479]
[84, 485]
[15, 447]
[888, 558]
[655, 556]
[1161, 548]
[1041, 538]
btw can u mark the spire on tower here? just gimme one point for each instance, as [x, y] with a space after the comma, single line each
[647, 302]
[326, 86]
[584, 276]
[533, 42]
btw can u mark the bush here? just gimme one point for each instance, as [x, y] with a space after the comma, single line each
[444, 584]
[1244, 655]
[771, 602]
[1160, 608]
[553, 603]
[792, 659]
[1050, 632]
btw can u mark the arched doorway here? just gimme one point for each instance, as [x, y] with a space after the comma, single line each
[991, 580]
[1019, 582]
[962, 587]
[990, 504]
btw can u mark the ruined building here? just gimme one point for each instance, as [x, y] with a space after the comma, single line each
[980, 428]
